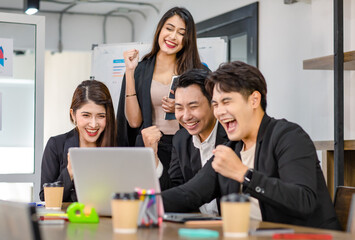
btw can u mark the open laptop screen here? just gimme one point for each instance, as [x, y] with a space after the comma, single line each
[100, 172]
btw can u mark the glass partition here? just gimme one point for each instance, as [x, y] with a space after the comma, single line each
[21, 104]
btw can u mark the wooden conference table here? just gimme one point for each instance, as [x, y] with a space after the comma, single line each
[168, 231]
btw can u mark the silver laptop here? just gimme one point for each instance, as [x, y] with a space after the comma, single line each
[101, 172]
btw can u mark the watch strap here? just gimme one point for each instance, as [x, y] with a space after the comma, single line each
[248, 176]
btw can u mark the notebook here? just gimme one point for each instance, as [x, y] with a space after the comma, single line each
[18, 221]
[101, 172]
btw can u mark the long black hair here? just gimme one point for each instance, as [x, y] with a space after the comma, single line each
[96, 91]
[187, 57]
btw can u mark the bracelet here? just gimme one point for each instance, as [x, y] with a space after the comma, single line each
[131, 95]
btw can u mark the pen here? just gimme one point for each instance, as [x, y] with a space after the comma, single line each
[44, 218]
[204, 222]
[36, 204]
[302, 236]
[56, 215]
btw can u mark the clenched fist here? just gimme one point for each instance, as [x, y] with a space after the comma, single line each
[227, 163]
[151, 136]
[131, 58]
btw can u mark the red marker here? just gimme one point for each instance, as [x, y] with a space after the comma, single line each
[302, 236]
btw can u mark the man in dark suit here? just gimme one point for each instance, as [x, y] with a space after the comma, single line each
[193, 144]
[274, 161]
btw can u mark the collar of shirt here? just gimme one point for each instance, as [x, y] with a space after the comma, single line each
[206, 146]
[212, 137]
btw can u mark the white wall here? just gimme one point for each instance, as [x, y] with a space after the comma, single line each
[349, 86]
[80, 32]
[63, 73]
[288, 34]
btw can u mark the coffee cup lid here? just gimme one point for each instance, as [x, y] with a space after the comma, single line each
[235, 197]
[125, 196]
[54, 184]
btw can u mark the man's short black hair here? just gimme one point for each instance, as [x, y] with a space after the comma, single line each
[197, 77]
[238, 77]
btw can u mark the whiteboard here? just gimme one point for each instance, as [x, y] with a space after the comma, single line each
[213, 51]
[108, 64]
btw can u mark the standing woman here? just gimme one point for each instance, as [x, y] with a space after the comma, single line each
[145, 87]
[92, 113]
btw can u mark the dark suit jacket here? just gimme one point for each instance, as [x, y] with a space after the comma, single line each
[126, 136]
[55, 161]
[287, 180]
[185, 158]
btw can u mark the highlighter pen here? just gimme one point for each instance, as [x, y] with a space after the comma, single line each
[302, 236]
[198, 233]
[56, 215]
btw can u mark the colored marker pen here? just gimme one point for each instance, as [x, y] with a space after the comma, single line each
[302, 236]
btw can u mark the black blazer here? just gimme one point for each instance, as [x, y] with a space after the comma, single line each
[185, 158]
[55, 161]
[126, 136]
[143, 74]
[287, 180]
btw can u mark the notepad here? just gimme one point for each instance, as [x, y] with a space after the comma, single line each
[270, 231]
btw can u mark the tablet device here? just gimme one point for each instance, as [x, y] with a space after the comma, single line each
[174, 80]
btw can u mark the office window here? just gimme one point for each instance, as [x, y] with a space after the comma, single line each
[17, 133]
[18, 101]
[240, 28]
[21, 94]
[21, 192]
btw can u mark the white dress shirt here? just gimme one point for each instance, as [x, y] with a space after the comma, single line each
[206, 148]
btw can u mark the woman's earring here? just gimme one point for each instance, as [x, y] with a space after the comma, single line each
[74, 122]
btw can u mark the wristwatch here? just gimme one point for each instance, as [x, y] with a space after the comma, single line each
[247, 177]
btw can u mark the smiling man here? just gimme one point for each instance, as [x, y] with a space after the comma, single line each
[273, 160]
[193, 144]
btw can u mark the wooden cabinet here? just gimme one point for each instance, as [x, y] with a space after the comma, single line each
[327, 148]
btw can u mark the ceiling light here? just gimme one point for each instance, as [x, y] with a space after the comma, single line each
[31, 6]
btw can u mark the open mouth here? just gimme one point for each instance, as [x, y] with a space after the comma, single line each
[231, 124]
[92, 132]
[170, 44]
[191, 125]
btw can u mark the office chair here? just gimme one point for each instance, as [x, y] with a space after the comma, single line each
[351, 218]
[342, 201]
[18, 221]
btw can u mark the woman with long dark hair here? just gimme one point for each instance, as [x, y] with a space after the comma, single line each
[92, 113]
[144, 95]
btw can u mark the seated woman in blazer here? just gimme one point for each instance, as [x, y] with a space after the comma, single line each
[92, 113]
